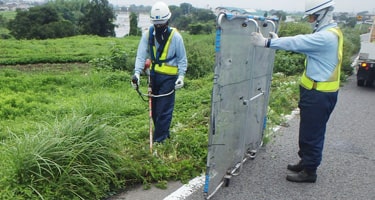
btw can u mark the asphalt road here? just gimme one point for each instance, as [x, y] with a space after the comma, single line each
[347, 171]
[348, 167]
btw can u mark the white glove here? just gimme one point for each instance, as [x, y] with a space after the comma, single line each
[179, 83]
[257, 39]
[135, 80]
[273, 35]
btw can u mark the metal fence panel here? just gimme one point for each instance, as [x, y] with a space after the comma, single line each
[239, 97]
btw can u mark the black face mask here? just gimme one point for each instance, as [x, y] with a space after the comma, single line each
[161, 33]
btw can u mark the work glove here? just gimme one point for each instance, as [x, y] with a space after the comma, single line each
[179, 83]
[135, 81]
[273, 35]
[257, 39]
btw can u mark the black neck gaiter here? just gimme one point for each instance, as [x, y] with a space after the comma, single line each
[161, 34]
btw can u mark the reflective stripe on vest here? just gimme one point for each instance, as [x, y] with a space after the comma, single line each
[164, 68]
[333, 83]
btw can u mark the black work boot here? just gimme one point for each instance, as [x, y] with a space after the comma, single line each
[296, 167]
[304, 176]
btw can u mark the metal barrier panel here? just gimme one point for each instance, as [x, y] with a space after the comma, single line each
[239, 97]
[261, 82]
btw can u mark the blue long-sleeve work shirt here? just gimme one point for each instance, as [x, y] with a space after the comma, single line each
[176, 47]
[320, 47]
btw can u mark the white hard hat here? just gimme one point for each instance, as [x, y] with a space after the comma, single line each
[313, 6]
[160, 13]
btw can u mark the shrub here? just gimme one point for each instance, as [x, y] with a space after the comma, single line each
[116, 61]
[201, 55]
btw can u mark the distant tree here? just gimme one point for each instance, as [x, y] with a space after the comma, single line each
[186, 18]
[342, 17]
[3, 21]
[134, 30]
[59, 29]
[38, 23]
[204, 15]
[19, 26]
[98, 19]
[203, 21]
[186, 8]
[351, 22]
[192, 19]
[280, 14]
[176, 13]
[182, 23]
[137, 9]
[69, 9]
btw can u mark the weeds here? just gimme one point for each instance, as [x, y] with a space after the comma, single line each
[83, 134]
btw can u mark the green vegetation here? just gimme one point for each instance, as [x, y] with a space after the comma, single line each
[72, 127]
[66, 50]
[102, 52]
[58, 19]
[133, 24]
[62, 129]
[8, 14]
[72, 131]
[5, 16]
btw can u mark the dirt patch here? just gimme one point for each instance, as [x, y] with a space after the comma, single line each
[48, 67]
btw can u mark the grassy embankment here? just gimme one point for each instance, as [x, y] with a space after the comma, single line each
[73, 131]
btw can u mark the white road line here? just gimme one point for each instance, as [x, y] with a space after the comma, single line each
[187, 189]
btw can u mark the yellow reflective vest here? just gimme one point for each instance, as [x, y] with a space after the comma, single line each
[333, 83]
[159, 62]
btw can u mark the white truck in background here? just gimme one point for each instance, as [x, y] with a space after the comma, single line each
[366, 60]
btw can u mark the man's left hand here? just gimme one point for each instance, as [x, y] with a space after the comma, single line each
[257, 39]
[179, 83]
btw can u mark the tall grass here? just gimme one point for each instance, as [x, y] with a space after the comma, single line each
[74, 158]
[82, 134]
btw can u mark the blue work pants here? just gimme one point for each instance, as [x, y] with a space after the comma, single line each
[315, 110]
[162, 107]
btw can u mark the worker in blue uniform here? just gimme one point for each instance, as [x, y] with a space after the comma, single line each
[165, 47]
[319, 84]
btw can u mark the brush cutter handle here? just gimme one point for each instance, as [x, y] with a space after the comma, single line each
[135, 81]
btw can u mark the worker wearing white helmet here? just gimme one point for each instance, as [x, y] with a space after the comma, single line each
[160, 13]
[165, 47]
[321, 10]
[319, 82]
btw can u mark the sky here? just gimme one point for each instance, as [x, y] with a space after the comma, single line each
[285, 5]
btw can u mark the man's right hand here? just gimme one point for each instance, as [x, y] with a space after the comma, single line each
[135, 81]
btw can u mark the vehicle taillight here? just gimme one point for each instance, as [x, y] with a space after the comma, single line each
[364, 65]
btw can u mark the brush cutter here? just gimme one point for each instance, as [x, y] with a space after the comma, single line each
[149, 94]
